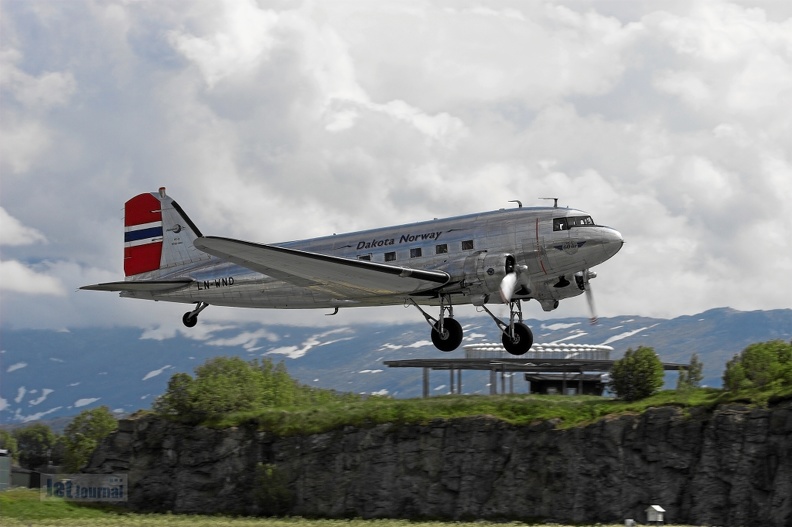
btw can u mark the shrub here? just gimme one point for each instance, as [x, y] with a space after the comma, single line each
[229, 385]
[84, 434]
[759, 366]
[637, 375]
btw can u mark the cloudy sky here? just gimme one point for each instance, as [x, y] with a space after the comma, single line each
[276, 120]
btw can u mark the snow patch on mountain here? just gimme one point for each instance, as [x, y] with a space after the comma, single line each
[558, 326]
[44, 393]
[154, 373]
[626, 334]
[17, 366]
[313, 341]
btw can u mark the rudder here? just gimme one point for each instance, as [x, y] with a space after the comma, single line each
[158, 236]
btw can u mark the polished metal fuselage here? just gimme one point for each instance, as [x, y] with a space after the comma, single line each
[464, 247]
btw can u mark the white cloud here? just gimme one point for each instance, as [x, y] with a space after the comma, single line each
[20, 278]
[286, 121]
[14, 233]
[244, 38]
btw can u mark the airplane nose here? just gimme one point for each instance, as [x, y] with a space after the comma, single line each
[612, 241]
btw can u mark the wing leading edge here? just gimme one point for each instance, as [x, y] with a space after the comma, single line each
[341, 277]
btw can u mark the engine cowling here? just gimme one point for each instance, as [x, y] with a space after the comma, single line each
[484, 272]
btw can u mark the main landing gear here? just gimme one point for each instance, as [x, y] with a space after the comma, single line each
[517, 336]
[447, 332]
[190, 319]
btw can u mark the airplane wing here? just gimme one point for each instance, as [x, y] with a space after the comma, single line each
[343, 277]
[154, 286]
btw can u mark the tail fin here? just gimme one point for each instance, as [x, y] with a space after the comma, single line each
[158, 237]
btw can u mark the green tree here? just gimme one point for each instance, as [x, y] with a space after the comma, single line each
[226, 384]
[691, 377]
[178, 399]
[637, 375]
[35, 444]
[84, 434]
[760, 366]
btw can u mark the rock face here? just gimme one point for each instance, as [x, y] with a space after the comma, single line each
[730, 467]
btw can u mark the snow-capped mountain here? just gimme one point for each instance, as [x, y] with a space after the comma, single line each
[48, 374]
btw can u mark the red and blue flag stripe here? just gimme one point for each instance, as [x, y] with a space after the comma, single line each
[142, 234]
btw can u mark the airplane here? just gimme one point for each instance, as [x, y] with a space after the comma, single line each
[503, 257]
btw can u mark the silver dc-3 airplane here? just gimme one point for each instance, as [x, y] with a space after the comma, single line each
[503, 256]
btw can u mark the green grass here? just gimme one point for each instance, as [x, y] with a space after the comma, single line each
[25, 504]
[23, 508]
[513, 409]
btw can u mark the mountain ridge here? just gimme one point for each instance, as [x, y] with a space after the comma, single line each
[47, 374]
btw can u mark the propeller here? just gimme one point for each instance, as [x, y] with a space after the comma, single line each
[587, 275]
[507, 286]
[511, 282]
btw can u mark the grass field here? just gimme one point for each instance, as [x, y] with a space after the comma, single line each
[515, 409]
[23, 508]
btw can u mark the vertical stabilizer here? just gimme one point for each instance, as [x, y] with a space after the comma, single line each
[158, 237]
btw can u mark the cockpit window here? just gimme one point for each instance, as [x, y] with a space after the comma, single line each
[563, 224]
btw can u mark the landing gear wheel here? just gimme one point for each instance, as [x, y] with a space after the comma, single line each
[522, 342]
[450, 338]
[190, 320]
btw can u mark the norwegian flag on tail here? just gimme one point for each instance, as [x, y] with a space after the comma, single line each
[142, 234]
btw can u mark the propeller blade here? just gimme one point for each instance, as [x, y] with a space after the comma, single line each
[507, 287]
[590, 297]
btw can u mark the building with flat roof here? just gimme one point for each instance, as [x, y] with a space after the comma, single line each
[554, 368]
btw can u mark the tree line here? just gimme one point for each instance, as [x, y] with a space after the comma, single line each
[762, 366]
[37, 445]
[225, 385]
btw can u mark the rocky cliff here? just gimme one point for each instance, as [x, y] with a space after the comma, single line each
[730, 466]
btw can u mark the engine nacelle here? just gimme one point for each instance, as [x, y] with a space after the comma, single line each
[484, 272]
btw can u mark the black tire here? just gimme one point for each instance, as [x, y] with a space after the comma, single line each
[451, 337]
[189, 321]
[523, 340]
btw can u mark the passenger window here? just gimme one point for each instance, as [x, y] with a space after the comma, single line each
[467, 245]
[415, 253]
[366, 257]
[441, 249]
[390, 257]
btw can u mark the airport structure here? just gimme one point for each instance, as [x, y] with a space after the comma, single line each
[555, 368]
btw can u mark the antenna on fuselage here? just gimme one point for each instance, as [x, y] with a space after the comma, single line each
[517, 201]
[555, 202]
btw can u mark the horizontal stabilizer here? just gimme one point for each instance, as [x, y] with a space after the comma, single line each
[153, 286]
